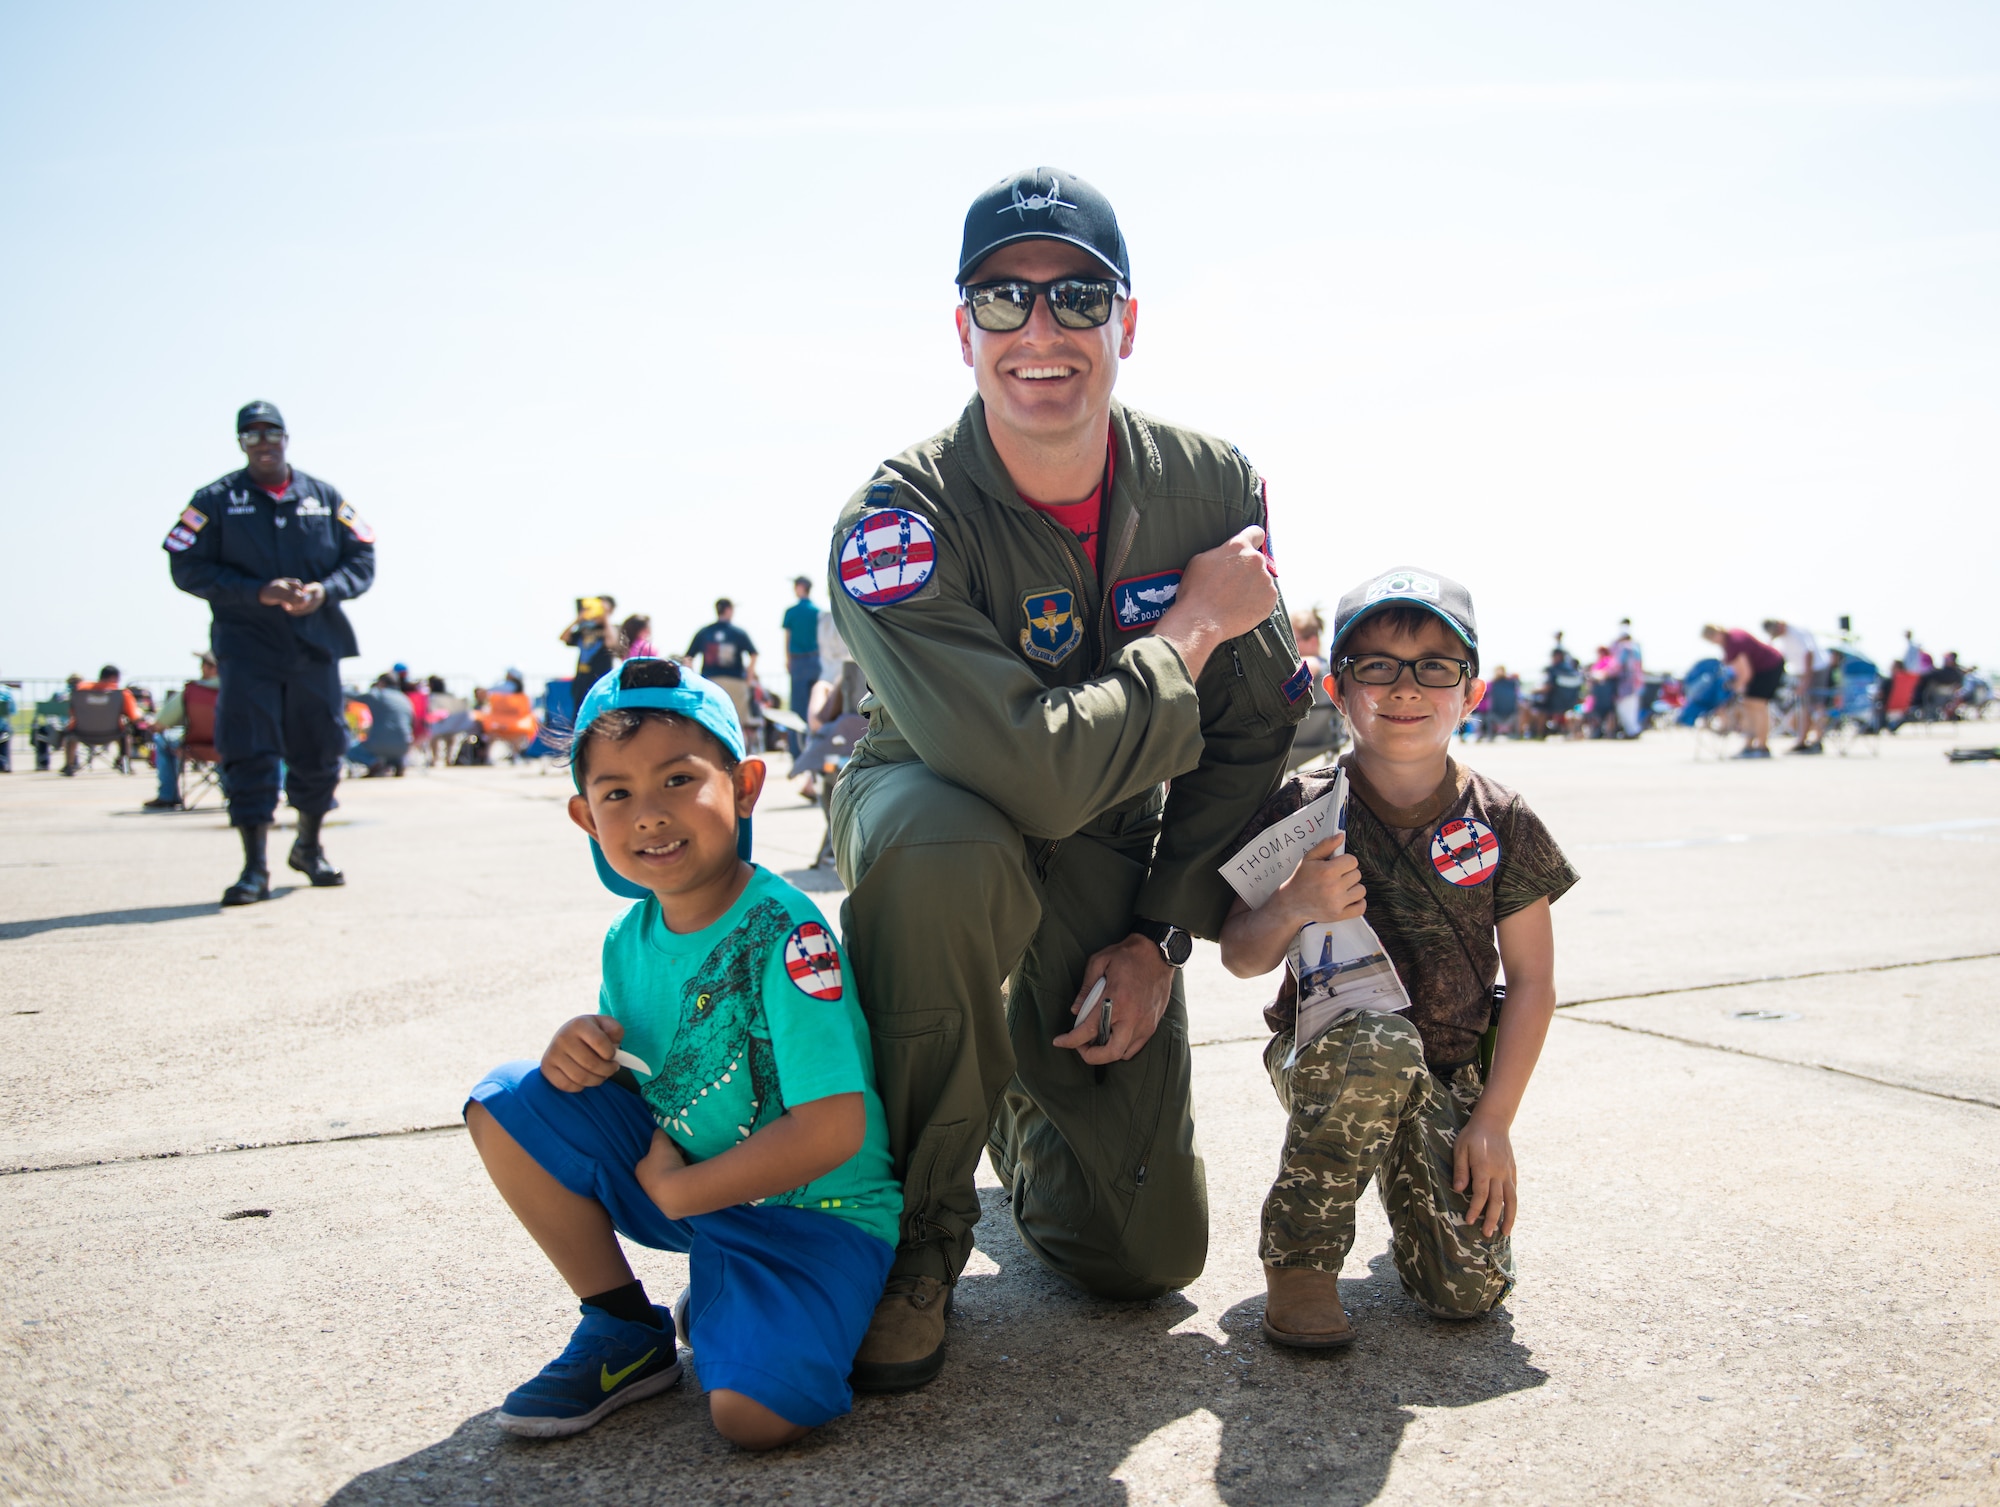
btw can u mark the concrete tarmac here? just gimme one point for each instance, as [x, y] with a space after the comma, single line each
[247, 1255]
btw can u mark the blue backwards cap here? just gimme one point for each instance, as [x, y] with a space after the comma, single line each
[663, 684]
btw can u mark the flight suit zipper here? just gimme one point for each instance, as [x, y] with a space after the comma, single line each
[1071, 549]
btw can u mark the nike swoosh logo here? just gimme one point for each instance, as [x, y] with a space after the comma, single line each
[608, 1378]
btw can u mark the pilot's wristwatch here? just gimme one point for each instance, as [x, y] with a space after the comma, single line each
[1175, 945]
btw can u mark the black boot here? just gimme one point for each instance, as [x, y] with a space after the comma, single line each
[254, 883]
[307, 856]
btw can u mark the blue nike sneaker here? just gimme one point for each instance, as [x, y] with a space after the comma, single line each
[607, 1364]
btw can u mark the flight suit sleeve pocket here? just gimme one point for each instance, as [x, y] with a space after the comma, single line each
[1269, 681]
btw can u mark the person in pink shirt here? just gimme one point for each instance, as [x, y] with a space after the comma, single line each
[1759, 668]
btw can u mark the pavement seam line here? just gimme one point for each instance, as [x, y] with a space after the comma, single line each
[177, 1156]
[1780, 978]
[1219, 1041]
[1769, 978]
[1816, 1067]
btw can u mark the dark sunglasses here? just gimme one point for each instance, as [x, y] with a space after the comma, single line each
[1384, 669]
[1078, 303]
[259, 436]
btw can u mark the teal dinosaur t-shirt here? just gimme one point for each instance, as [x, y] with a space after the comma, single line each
[742, 1019]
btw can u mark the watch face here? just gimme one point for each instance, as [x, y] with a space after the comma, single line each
[1178, 947]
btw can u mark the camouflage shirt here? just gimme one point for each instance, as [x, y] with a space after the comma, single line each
[1440, 876]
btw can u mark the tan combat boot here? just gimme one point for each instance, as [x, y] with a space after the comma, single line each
[1302, 1309]
[904, 1346]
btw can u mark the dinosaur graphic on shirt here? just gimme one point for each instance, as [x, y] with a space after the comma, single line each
[720, 1005]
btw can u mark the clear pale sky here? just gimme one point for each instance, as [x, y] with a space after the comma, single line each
[1685, 312]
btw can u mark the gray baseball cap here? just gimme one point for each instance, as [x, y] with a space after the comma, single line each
[1408, 586]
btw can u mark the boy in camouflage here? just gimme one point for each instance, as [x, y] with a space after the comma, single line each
[1456, 875]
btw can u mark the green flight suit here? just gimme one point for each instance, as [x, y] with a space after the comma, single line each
[1009, 813]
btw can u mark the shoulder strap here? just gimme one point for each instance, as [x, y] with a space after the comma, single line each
[1423, 883]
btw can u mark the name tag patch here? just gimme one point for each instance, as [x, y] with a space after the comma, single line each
[812, 961]
[1051, 635]
[1139, 600]
[1465, 852]
[888, 557]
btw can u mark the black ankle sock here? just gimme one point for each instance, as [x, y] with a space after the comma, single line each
[629, 1303]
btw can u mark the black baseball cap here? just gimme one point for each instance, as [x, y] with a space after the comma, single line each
[1408, 586]
[1043, 204]
[258, 412]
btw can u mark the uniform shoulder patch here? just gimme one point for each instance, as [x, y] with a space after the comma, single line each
[1465, 852]
[1299, 681]
[179, 537]
[812, 961]
[194, 519]
[888, 556]
[355, 522]
[1138, 600]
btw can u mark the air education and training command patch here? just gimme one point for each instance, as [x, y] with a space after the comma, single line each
[888, 557]
[811, 960]
[1051, 635]
[1139, 600]
[1465, 852]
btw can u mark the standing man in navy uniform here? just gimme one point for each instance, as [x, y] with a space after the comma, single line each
[275, 552]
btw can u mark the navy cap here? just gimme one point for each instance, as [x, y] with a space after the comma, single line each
[1408, 586]
[665, 684]
[1043, 204]
[258, 412]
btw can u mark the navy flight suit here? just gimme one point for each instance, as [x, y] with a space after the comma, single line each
[280, 696]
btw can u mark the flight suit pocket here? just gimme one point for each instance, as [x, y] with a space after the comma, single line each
[1268, 680]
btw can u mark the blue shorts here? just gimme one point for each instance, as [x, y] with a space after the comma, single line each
[778, 1298]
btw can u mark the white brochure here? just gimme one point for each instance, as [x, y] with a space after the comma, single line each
[1339, 966]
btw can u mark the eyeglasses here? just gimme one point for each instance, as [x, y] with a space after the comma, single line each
[1078, 303]
[1384, 669]
[250, 437]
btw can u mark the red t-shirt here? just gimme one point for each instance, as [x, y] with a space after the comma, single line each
[1761, 655]
[1083, 519]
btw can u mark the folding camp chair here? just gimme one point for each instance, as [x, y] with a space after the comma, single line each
[201, 764]
[97, 721]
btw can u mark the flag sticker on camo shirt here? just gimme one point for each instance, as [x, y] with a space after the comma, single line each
[812, 962]
[1465, 851]
[887, 557]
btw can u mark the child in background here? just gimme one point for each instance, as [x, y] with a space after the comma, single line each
[1444, 862]
[722, 1102]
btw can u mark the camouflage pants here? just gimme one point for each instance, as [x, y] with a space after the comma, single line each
[1363, 1104]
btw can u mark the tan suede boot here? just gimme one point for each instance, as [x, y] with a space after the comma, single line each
[1302, 1309]
[904, 1346]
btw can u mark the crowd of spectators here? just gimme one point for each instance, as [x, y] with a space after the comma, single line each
[400, 719]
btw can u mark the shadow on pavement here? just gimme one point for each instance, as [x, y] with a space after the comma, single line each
[142, 916]
[1047, 1396]
[814, 880]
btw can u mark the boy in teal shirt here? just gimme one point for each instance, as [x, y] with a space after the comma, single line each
[722, 1102]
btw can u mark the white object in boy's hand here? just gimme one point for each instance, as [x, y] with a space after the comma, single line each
[1262, 865]
[637, 1064]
